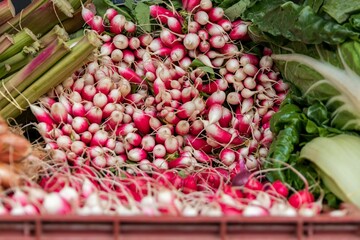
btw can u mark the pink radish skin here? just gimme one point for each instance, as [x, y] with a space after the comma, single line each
[88, 92]
[99, 138]
[117, 24]
[110, 13]
[201, 17]
[161, 13]
[201, 156]
[133, 138]
[159, 151]
[108, 109]
[136, 154]
[58, 112]
[180, 162]
[248, 58]
[171, 145]
[191, 41]
[141, 121]
[196, 127]
[100, 100]
[226, 118]
[124, 129]
[87, 15]
[80, 125]
[193, 27]
[64, 142]
[182, 127]
[78, 147]
[177, 52]
[93, 128]
[148, 143]
[162, 134]
[215, 14]
[86, 137]
[130, 27]
[215, 113]
[227, 156]
[94, 115]
[174, 25]
[130, 75]
[215, 29]
[197, 143]
[239, 32]
[186, 110]
[168, 38]
[217, 97]
[97, 24]
[78, 110]
[99, 162]
[229, 49]
[42, 115]
[217, 41]
[206, 5]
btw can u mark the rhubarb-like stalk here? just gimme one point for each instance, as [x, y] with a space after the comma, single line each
[32, 71]
[7, 11]
[49, 14]
[54, 33]
[24, 38]
[17, 61]
[80, 54]
[75, 23]
[14, 22]
[6, 41]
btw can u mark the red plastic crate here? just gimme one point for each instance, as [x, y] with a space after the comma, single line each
[323, 227]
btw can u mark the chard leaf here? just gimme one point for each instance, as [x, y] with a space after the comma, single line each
[296, 23]
[314, 4]
[354, 21]
[341, 10]
[237, 9]
[142, 13]
[129, 4]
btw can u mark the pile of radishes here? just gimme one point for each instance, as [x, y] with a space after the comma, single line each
[164, 123]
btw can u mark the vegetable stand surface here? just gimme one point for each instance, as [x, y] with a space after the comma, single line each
[192, 108]
[165, 227]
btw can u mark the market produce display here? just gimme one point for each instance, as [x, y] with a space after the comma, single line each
[185, 108]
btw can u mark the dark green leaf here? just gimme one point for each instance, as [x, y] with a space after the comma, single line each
[237, 9]
[101, 7]
[208, 70]
[314, 4]
[354, 21]
[318, 113]
[296, 23]
[121, 10]
[129, 4]
[177, 4]
[197, 63]
[340, 10]
[142, 13]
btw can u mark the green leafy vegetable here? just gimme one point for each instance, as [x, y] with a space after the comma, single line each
[337, 160]
[296, 22]
[340, 10]
[142, 13]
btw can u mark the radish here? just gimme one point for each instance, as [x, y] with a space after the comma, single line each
[215, 14]
[300, 198]
[191, 41]
[136, 154]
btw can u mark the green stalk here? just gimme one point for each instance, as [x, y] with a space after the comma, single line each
[14, 63]
[78, 56]
[6, 41]
[7, 11]
[38, 66]
[49, 14]
[54, 33]
[20, 40]
[14, 22]
[75, 23]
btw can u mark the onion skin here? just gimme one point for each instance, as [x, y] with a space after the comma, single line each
[13, 148]
[8, 176]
